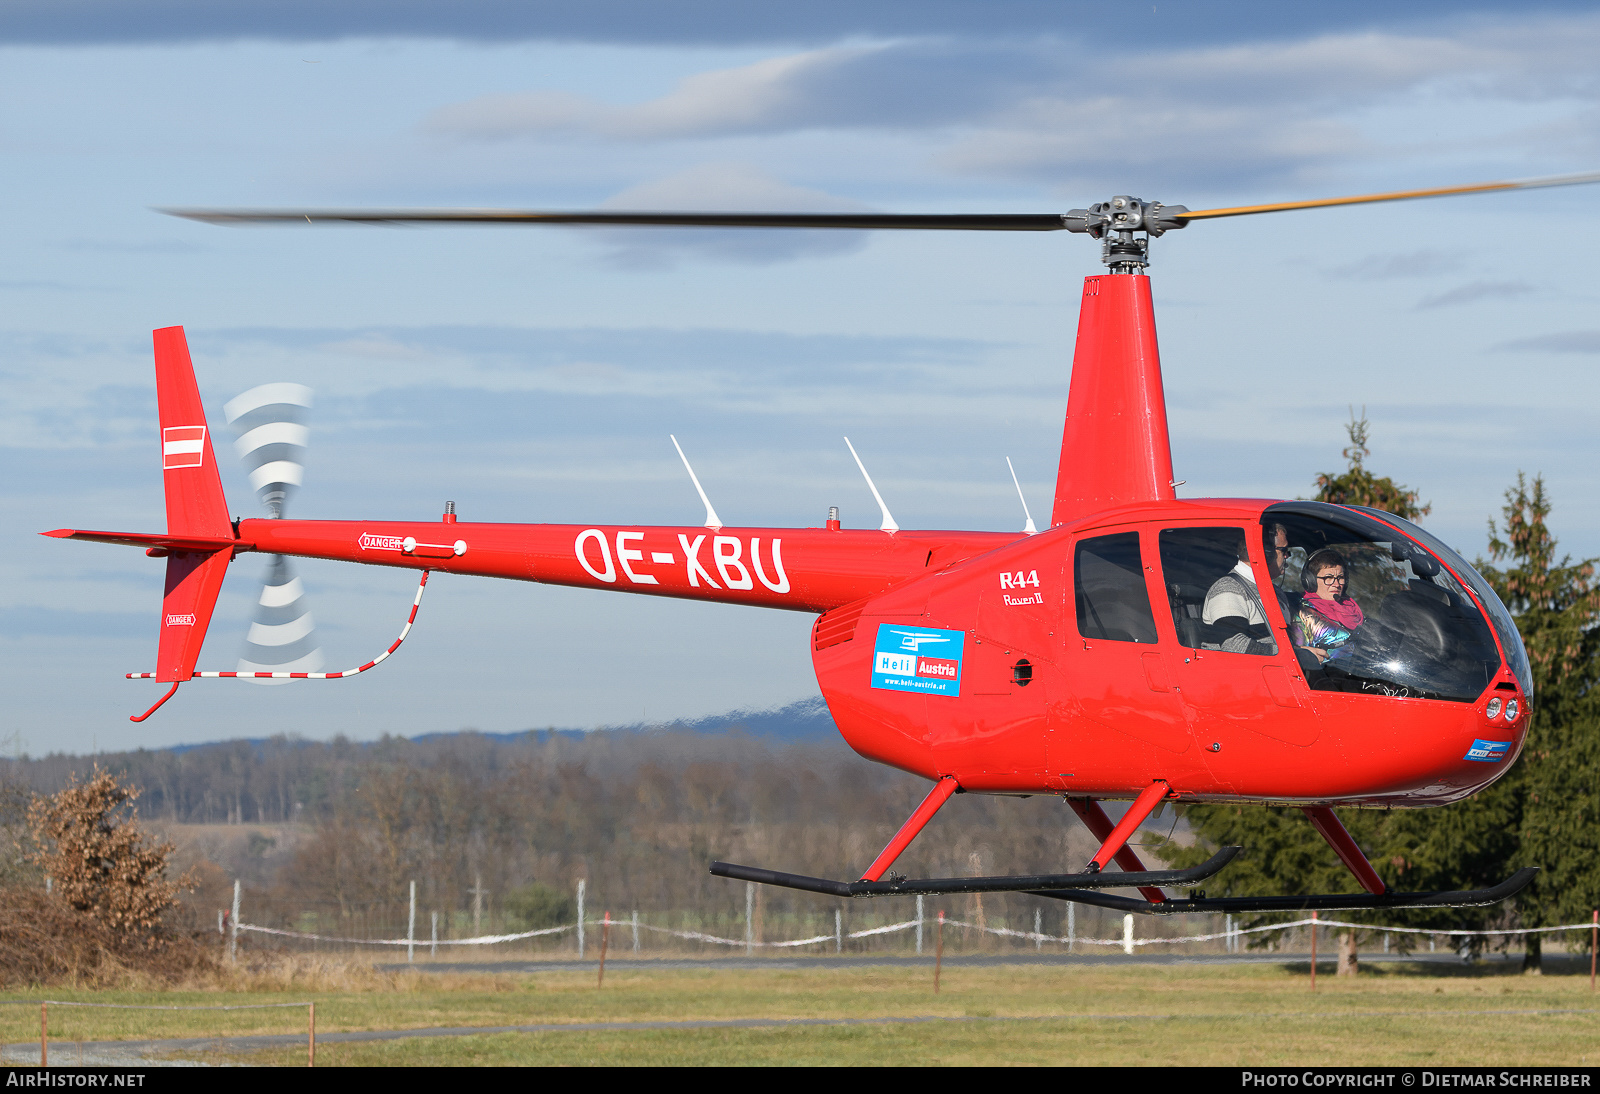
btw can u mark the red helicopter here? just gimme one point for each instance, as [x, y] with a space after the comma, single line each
[1142, 647]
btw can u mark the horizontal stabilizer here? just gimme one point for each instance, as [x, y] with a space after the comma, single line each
[147, 540]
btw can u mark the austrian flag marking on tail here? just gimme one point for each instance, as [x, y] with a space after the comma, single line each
[183, 446]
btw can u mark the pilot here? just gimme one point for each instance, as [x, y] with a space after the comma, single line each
[1328, 616]
[1233, 603]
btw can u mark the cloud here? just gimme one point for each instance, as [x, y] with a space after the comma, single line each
[1054, 109]
[908, 84]
[1477, 290]
[1391, 267]
[779, 92]
[1577, 341]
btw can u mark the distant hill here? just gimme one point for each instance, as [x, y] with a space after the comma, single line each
[806, 721]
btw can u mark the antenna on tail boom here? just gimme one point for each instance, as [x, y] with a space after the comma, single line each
[713, 521]
[888, 524]
[1028, 527]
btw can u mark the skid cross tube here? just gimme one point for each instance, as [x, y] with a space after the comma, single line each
[908, 831]
[1095, 819]
[1465, 898]
[1036, 883]
[1332, 829]
[1145, 804]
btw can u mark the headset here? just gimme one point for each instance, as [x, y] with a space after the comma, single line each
[1321, 561]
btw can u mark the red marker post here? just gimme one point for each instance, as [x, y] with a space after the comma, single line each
[1313, 951]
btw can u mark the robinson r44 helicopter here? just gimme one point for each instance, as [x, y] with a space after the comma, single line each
[1141, 647]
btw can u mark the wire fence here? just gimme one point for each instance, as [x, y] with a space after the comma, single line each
[1228, 935]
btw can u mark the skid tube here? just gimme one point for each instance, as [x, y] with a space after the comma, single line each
[1466, 898]
[1040, 884]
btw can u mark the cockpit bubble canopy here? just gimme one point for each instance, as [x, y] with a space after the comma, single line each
[1402, 624]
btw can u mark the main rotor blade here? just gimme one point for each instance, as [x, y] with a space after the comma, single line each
[972, 222]
[1397, 195]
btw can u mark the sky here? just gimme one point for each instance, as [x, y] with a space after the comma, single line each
[535, 374]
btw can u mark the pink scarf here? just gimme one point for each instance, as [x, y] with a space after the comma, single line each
[1346, 613]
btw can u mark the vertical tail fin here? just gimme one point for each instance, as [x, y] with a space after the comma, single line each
[195, 504]
[195, 507]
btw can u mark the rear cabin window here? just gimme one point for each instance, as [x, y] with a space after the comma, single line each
[1211, 590]
[1113, 604]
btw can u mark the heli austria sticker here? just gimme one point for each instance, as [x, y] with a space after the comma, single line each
[918, 659]
[1489, 752]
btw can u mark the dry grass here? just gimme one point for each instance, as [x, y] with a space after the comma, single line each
[43, 940]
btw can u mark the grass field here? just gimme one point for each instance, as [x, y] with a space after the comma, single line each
[1415, 1015]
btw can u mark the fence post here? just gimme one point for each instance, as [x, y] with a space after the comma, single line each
[582, 884]
[1127, 934]
[838, 931]
[1072, 926]
[433, 939]
[919, 926]
[233, 925]
[411, 926]
[636, 930]
[1594, 938]
[605, 940]
[1038, 929]
[938, 952]
[749, 918]
[44, 1034]
[311, 1040]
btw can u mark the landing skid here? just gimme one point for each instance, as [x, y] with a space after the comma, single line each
[1467, 898]
[1038, 884]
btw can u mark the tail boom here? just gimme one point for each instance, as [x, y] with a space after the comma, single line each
[800, 569]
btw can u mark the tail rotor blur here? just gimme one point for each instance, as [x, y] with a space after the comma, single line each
[270, 423]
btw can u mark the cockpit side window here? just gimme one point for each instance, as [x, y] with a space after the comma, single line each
[1211, 590]
[1113, 603]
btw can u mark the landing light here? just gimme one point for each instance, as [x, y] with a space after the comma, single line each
[1511, 711]
[1494, 709]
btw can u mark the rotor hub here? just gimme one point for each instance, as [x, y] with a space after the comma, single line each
[1124, 226]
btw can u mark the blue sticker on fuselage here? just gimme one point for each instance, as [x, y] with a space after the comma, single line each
[918, 659]
[1488, 752]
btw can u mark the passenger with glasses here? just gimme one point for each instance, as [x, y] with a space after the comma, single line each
[1327, 617]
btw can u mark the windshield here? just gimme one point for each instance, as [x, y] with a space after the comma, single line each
[1372, 611]
[1499, 616]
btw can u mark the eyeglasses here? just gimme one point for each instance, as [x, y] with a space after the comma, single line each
[1330, 579]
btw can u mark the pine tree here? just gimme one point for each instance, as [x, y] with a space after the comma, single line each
[1557, 609]
[1358, 486]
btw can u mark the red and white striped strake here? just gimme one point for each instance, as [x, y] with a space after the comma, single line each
[378, 660]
